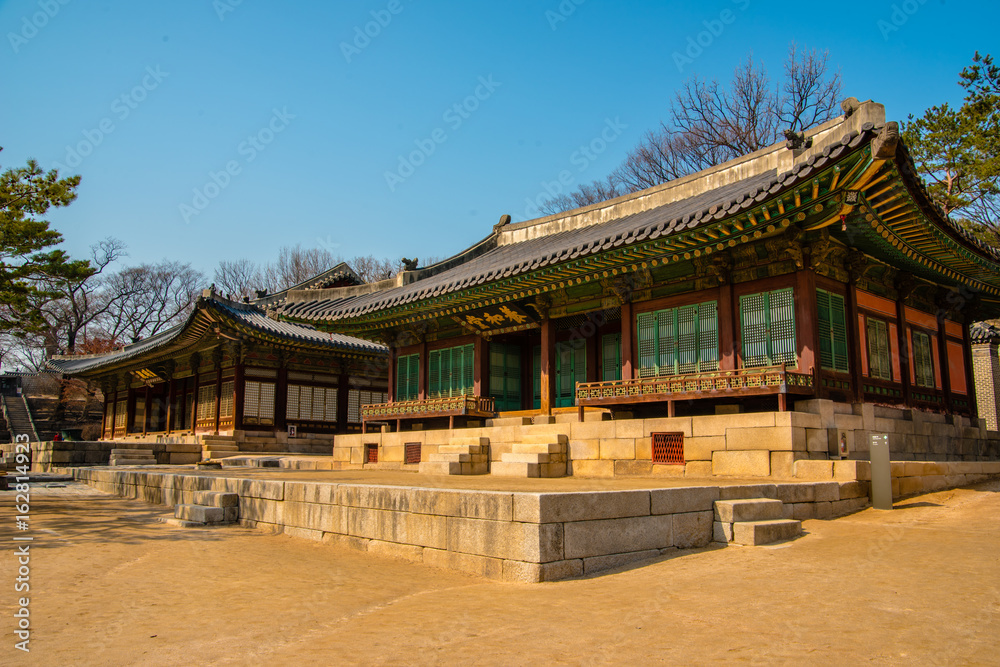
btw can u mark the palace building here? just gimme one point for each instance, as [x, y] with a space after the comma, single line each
[811, 284]
[231, 372]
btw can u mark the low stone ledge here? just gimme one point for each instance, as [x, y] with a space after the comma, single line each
[561, 507]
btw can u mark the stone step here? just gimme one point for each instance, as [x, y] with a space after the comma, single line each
[216, 499]
[221, 446]
[461, 449]
[754, 533]
[753, 509]
[450, 457]
[548, 448]
[515, 457]
[184, 458]
[516, 469]
[202, 514]
[183, 448]
[133, 462]
[132, 453]
[543, 439]
[451, 468]
[217, 438]
[469, 441]
[509, 421]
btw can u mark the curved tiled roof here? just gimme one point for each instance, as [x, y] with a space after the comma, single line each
[243, 315]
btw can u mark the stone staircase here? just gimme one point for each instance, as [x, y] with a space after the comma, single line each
[461, 456]
[210, 508]
[753, 521]
[534, 456]
[19, 420]
[132, 457]
[218, 446]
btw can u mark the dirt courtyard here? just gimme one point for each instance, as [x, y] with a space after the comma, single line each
[112, 586]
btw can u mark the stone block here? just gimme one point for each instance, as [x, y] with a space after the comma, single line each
[506, 469]
[744, 491]
[683, 499]
[303, 533]
[796, 493]
[911, 486]
[261, 510]
[722, 532]
[262, 488]
[592, 430]
[719, 424]
[803, 511]
[644, 448]
[671, 425]
[393, 550]
[701, 449]
[481, 566]
[324, 518]
[346, 541]
[536, 543]
[592, 468]
[629, 428]
[603, 563]
[853, 490]
[774, 438]
[540, 448]
[749, 509]
[584, 539]
[522, 572]
[742, 463]
[783, 464]
[826, 491]
[216, 499]
[914, 469]
[424, 530]
[199, 513]
[584, 449]
[440, 468]
[311, 492]
[525, 458]
[817, 440]
[753, 533]
[559, 507]
[798, 419]
[618, 448]
[630, 468]
[698, 469]
[845, 507]
[692, 529]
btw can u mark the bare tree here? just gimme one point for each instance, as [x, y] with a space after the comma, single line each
[710, 123]
[147, 299]
[371, 269]
[295, 265]
[239, 278]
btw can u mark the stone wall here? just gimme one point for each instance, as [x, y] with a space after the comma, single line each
[47, 455]
[986, 371]
[759, 444]
[511, 536]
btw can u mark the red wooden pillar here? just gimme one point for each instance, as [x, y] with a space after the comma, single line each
[904, 349]
[727, 359]
[218, 397]
[942, 342]
[392, 374]
[129, 410]
[805, 319]
[854, 344]
[480, 368]
[627, 335]
[548, 366]
[194, 404]
[422, 390]
[170, 404]
[238, 393]
[114, 412]
[145, 411]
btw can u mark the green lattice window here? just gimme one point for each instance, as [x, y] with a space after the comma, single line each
[879, 358]
[768, 328]
[450, 371]
[505, 376]
[923, 360]
[407, 377]
[571, 367]
[611, 357]
[679, 340]
[832, 331]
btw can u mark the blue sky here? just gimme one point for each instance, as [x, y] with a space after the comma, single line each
[208, 130]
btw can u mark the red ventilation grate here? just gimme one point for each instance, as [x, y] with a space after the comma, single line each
[412, 452]
[668, 448]
[371, 453]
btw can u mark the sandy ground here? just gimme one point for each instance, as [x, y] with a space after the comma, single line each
[112, 586]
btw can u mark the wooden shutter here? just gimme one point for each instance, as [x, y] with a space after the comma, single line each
[708, 337]
[923, 361]
[434, 374]
[782, 327]
[666, 329]
[467, 366]
[646, 331]
[292, 402]
[838, 326]
[687, 339]
[825, 330]
[611, 357]
[536, 365]
[753, 315]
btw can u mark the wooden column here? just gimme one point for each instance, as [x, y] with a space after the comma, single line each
[129, 410]
[854, 344]
[392, 373]
[170, 404]
[805, 320]
[422, 374]
[343, 382]
[548, 366]
[904, 350]
[114, 410]
[281, 398]
[480, 368]
[194, 404]
[218, 396]
[104, 416]
[970, 379]
[627, 336]
[145, 411]
[942, 343]
[238, 393]
[727, 331]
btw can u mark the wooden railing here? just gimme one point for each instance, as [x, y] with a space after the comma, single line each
[738, 382]
[452, 406]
